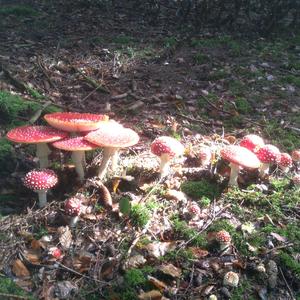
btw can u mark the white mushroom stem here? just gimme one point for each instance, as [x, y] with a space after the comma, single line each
[263, 169]
[234, 174]
[74, 221]
[77, 158]
[108, 152]
[115, 159]
[42, 152]
[42, 198]
[164, 164]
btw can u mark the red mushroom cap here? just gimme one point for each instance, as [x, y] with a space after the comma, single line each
[194, 209]
[35, 134]
[72, 121]
[223, 237]
[38, 180]
[268, 154]
[296, 155]
[112, 134]
[73, 206]
[296, 179]
[55, 252]
[252, 142]
[240, 156]
[74, 144]
[285, 160]
[167, 145]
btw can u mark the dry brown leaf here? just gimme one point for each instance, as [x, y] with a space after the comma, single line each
[65, 237]
[19, 269]
[37, 245]
[33, 256]
[171, 270]
[151, 295]
[198, 252]
[157, 283]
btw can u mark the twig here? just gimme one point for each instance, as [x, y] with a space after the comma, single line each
[198, 120]
[43, 69]
[91, 93]
[279, 247]
[121, 96]
[80, 274]
[11, 296]
[293, 128]
[91, 81]
[287, 285]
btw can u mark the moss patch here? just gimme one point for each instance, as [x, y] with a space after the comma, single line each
[200, 189]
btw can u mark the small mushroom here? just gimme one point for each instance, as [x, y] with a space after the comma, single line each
[296, 181]
[40, 181]
[194, 209]
[231, 279]
[285, 162]
[296, 156]
[166, 148]
[55, 252]
[39, 135]
[75, 122]
[78, 146]
[73, 208]
[111, 136]
[223, 238]
[268, 154]
[238, 157]
[252, 142]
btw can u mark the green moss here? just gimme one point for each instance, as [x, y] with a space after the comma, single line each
[7, 156]
[140, 215]
[199, 189]
[287, 139]
[122, 39]
[183, 255]
[290, 263]
[18, 10]
[13, 107]
[204, 201]
[7, 286]
[182, 229]
[291, 79]
[243, 105]
[243, 291]
[170, 42]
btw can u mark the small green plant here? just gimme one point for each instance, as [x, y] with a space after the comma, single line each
[170, 42]
[243, 105]
[7, 286]
[140, 215]
[201, 58]
[291, 79]
[40, 232]
[122, 39]
[199, 189]
[204, 201]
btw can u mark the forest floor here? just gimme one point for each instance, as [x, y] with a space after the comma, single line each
[202, 89]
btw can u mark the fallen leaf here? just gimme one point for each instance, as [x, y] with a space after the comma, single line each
[171, 270]
[19, 269]
[151, 295]
[278, 237]
[134, 261]
[65, 237]
[157, 283]
[157, 249]
[198, 252]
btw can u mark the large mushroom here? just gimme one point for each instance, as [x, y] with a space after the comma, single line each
[75, 122]
[166, 148]
[78, 146]
[268, 154]
[39, 135]
[111, 136]
[40, 181]
[239, 157]
[252, 142]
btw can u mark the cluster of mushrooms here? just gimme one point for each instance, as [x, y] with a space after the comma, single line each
[80, 132]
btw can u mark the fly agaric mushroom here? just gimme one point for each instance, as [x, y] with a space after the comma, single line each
[78, 145]
[238, 157]
[40, 181]
[55, 252]
[39, 135]
[166, 148]
[296, 155]
[194, 209]
[252, 142]
[75, 122]
[296, 181]
[231, 279]
[73, 208]
[111, 136]
[285, 162]
[267, 154]
[205, 156]
[223, 238]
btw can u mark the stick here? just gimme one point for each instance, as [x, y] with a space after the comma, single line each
[287, 285]
[38, 113]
